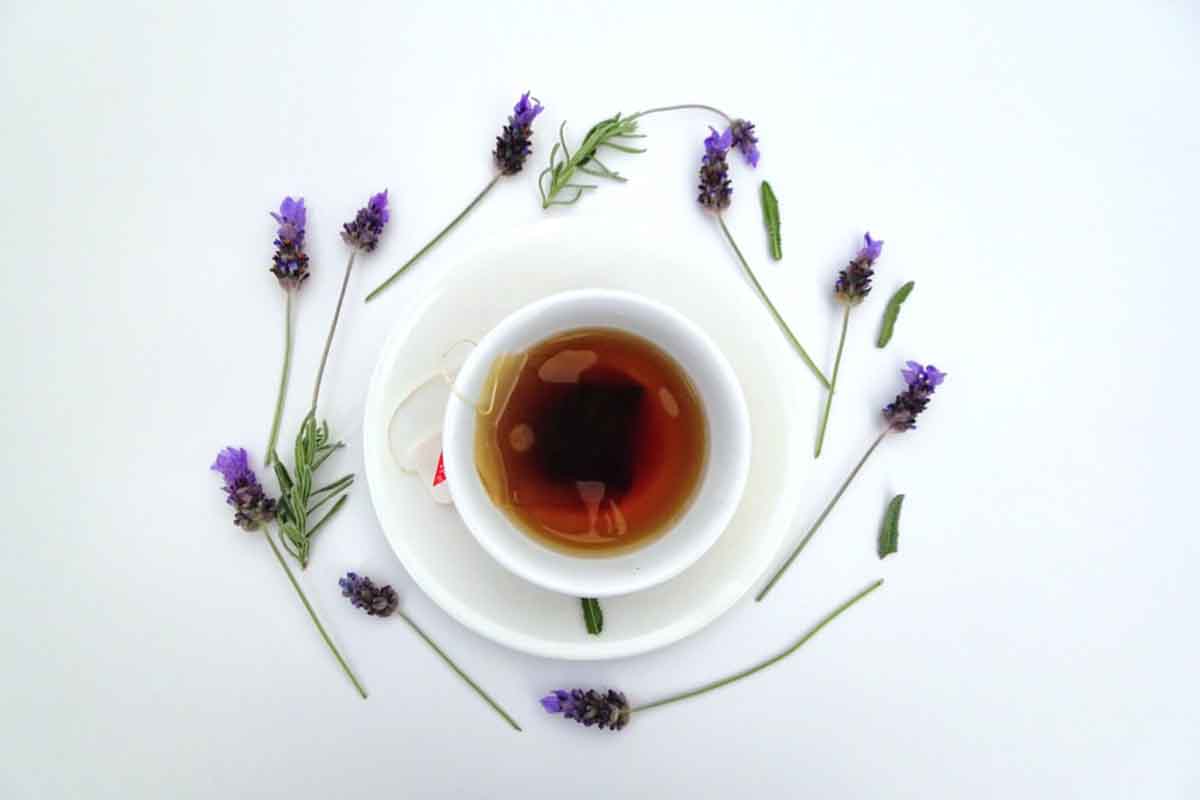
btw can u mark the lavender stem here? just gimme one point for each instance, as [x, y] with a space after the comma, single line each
[320, 628]
[821, 518]
[433, 241]
[837, 363]
[681, 107]
[830, 617]
[333, 327]
[461, 674]
[771, 306]
[283, 377]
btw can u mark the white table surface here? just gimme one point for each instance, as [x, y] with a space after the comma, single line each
[1033, 167]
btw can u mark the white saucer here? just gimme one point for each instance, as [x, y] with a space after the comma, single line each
[432, 542]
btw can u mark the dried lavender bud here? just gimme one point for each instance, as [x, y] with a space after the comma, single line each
[290, 260]
[745, 140]
[364, 594]
[716, 189]
[364, 230]
[854, 282]
[251, 505]
[901, 414]
[605, 710]
[515, 141]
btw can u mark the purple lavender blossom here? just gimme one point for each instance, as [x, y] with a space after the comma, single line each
[514, 143]
[363, 232]
[364, 594]
[901, 414]
[242, 489]
[715, 187]
[745, 140]
[604, 710]
[871, 248]
[290, 260]
[854, 282]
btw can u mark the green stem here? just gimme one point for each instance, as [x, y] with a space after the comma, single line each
[830, 617]
[837, 363]
[321, 628]
[821, 518]
[283, 377]
[333, 327]
[771, 306]
[681, 107]
[461, 674]
[433, 241]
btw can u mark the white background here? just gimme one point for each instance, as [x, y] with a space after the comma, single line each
[1032, 165]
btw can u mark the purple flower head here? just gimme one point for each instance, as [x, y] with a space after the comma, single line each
[854, 282]
[901, 413]
[871, 248]
[251, 505]
[290, 261]
[364, 230]
[715, 187]
[603, 709]
[515, 141]
[745, 140]
[524, 112]
[365, 595]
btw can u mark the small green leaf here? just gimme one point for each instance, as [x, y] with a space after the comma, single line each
[891, 312]
[889, 535]
[593, 617]
[770, 208]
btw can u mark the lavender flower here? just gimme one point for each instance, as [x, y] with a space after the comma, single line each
[290, 260]
[745, 140]
[901, 413]
[251, 505]
[363, 232]
[715, 187]
[854, 282]
[605, 710]
[365, 595]
[514, 142]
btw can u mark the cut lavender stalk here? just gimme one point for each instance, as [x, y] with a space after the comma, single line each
[384, 602]
[610, 709]
[513, 146]
[290, 267]
[900, 415]
[851, 288]
[253, 511]
[716, 192]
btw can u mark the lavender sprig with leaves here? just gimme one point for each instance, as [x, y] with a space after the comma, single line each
[851, 288]
[301, 500]
[560, 175]
[900, 415]
[290, 267]
[253, 510]
[609, 709]
[378, 601]
[716, 193]
[513, 146]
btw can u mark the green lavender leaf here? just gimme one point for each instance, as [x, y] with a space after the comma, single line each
[889, 535]
[593, 617]
[770, 208]
[891, 312]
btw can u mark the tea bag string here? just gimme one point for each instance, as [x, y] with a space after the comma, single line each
[447, 376]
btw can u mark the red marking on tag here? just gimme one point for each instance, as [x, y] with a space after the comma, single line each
[439, 474]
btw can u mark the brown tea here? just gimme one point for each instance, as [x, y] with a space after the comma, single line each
[593, 441]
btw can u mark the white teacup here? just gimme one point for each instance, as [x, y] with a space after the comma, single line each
[715, 499]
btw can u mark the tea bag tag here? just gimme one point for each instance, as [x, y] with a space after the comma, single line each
[425, 458]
